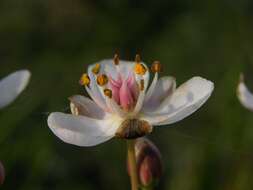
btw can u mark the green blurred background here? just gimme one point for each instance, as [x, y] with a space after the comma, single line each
[57, 39]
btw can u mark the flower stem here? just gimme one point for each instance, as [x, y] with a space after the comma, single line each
[132, 164]
[147, 188]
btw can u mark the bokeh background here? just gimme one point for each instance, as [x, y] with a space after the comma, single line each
[57, 39]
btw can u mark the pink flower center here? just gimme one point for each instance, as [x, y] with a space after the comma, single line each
[124, 91]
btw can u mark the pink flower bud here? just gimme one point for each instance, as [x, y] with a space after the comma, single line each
[2, 173]
[149, 162]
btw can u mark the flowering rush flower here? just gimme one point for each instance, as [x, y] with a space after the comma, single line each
[12, 85]
[123, 103]
[244, 95]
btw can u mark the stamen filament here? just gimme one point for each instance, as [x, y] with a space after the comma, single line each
[140, 98]
[114, 107]
[142, 84]
[151, 87]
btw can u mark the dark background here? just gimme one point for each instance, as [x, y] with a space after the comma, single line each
[57, 39]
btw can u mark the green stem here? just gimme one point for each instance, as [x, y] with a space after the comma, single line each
[132, 164]
[147, 188]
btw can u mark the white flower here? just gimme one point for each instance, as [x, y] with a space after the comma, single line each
[12, 85]
[244, 95]
[123, 105]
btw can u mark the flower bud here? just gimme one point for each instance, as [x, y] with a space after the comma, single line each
[2, 173]
[149, 162]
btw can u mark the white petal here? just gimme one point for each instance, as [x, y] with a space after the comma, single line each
[184, 101]
[81, 130]
[244, 95]
[12, 85]
[100, 102]
[164, 87]
[86, 107]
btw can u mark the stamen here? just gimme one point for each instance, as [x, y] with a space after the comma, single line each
[142, 85]
[151, 87]
[137, 58]
[102, 79]
[96, 69]
[140, 69]
[85, 80]
[108, 92]
[156, 67]
[116, 59]
[140, 99]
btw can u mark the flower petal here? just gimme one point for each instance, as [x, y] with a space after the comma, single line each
[95, 98]
[81, 130]
[86, 107]
[184, 101]
[164, 87]
[244, 95]
[12, 85]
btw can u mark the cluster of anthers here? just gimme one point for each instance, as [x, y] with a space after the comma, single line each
[124, 94]
[125, 90]
[123, 103]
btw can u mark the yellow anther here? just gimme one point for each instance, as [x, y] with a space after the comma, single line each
[142, 85]
[116, 59]
[102, 79]
[108, 92]
[156, 67]
[137, 58]
[140, 69]
[96, 69]
[85, 79]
